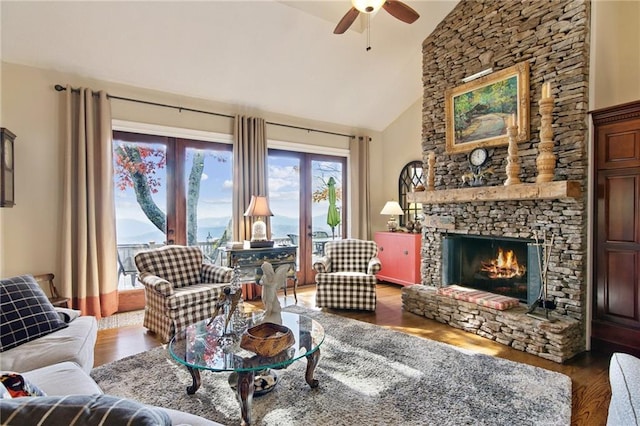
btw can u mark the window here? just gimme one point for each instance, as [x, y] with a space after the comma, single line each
[169, 191]
[299, 196]
[410, 177]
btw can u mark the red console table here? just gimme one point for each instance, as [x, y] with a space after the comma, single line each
[399, 253]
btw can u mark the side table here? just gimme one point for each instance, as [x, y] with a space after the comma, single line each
[55, 298]
[60, 302]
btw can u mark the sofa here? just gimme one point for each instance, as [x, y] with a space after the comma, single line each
[84, 389]
[36, 334]
[51, 350]
[624, 377]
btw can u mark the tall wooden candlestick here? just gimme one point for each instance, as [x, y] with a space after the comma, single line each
[431, 171]
[546, 160]
[513, 161]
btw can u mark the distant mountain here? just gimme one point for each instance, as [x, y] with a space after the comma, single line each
[131, 231]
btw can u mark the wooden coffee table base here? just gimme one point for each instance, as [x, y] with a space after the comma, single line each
[245, 385]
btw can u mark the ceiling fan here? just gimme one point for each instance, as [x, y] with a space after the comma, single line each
[395, 8]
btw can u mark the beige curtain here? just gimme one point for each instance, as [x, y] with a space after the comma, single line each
[360, 178]
[89, 270]
[249, 171]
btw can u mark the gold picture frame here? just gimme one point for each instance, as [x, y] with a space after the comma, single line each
[477, 112]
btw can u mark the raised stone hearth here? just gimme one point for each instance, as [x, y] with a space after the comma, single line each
[557, 340]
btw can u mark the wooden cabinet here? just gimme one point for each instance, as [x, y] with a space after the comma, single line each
[399, 253]
[616, 274]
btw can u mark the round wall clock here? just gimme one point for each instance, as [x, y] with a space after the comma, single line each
[478, 157]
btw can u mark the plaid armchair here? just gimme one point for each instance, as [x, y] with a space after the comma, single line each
[179, 289]
[345, 277]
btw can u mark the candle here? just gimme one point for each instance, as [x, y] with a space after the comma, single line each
[511, 121]
[546, 90]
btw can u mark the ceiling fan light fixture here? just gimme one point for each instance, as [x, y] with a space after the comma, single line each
[367, 6]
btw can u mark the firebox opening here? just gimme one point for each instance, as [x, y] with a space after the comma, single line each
[505, 266]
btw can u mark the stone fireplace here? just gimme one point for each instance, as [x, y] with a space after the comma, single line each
[554, 38]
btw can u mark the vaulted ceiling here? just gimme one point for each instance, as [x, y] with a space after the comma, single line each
[275, 56]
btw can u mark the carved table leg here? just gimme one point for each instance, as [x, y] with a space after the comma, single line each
[295, 287]
[245, 395]
[312, 361]
[195, 376]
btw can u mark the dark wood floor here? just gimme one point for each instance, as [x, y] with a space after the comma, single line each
[588, 371]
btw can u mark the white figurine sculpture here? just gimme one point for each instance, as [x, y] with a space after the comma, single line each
[270, 282]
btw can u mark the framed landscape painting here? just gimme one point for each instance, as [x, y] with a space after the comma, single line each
[477, 112]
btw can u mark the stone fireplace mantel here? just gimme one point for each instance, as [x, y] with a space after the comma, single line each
[558, 190]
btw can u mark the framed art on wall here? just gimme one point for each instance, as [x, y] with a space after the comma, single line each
[477, 112]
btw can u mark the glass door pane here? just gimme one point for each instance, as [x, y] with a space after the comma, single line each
[208, 195]
[140, 192]
[284, 199]
[326, 208]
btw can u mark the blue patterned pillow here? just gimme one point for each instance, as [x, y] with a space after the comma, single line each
[25, 312]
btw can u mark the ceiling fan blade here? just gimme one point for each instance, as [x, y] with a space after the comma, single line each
[346, 21]
[401, 11]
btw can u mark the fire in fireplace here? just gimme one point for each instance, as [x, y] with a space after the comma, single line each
[506, 266]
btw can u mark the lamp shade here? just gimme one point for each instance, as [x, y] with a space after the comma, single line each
[367, 6]
[392, 208]
[259, 206]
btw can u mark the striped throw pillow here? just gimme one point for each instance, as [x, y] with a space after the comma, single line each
[85, 410]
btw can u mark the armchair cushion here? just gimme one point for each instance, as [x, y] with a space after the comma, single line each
[215, 274]
[194, 295]
[179, 265]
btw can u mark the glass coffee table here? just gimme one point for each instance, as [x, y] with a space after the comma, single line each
[199, 348]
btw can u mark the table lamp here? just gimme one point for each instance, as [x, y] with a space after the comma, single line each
[392, 208]
[259, 208]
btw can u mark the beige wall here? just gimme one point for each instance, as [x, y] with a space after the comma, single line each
[401, 143]
[615, 53]
[32, 109]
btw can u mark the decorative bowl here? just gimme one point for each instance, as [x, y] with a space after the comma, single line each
[267, 339]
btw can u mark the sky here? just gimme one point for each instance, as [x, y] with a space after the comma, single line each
[216, 194]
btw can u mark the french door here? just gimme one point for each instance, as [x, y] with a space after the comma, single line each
[168, 191]
[306, 193]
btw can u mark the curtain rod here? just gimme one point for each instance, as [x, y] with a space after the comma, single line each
[61, 88]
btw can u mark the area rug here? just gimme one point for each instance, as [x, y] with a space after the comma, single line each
[368, 375]
[123, 319]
